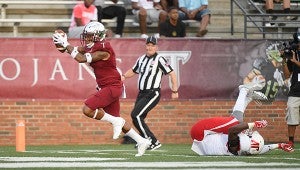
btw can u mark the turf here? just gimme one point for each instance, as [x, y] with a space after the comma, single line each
[169, 156]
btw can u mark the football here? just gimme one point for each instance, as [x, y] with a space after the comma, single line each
[58, 47]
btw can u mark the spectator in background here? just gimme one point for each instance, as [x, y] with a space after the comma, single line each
[195, 10]
[166, 4]
[82, 14]
[150, 67]
[173, 26]
[148, 11]
[111, 11]
[286, 9]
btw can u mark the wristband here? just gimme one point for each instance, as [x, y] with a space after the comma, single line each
[74, 52]
[251, 125]
[88, 57]
[174, 91]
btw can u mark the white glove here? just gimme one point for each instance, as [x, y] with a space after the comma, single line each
[60, 39]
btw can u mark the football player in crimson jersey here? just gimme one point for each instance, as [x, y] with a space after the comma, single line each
[103, 104]
[228, 135]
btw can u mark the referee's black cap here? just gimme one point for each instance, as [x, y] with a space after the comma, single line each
[152, 40]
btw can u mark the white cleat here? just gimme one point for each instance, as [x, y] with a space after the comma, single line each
[117, 126]
[142, 147]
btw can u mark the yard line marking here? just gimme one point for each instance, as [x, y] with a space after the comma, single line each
[144, 164]
[56, 159]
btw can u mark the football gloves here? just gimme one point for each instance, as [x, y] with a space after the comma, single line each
[287, 147]
[260, 124]
[60, 39]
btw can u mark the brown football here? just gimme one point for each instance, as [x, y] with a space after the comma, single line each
[59, 47]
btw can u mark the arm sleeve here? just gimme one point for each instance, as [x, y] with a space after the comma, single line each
[164, 65]
[268, 148]
[135, 68]
[181, 3]
[77, 12]
[95, 17]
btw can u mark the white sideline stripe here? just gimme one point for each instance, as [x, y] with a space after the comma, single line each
[142, 164]
[58, 159]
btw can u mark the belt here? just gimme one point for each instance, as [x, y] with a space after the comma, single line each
[149, 90]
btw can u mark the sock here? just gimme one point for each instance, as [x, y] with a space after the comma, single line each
[269, 11]
[135, 136]
[241, 104]
[238, 115]
[291, 139]
[286, 10]
[107, 117]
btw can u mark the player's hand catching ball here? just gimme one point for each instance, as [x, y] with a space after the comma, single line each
[60, 40]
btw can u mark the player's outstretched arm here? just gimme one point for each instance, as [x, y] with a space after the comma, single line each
[287, 147]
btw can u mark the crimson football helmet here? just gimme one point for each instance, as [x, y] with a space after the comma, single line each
[93, 32]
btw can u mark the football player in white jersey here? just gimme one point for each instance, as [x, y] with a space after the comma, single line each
[230, 135]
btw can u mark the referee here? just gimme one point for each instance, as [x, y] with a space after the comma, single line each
[150, 67]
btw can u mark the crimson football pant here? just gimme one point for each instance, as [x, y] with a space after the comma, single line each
[146, 100]
[106, 98]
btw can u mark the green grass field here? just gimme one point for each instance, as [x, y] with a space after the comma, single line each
[169, 156]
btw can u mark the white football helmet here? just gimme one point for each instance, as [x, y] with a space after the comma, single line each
[251, 143]
[93, 32]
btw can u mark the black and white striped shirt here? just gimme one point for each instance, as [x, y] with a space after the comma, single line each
[151, 70]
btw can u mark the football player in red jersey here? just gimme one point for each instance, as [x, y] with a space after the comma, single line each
[230, 135]
[103, 104]
[227, 136]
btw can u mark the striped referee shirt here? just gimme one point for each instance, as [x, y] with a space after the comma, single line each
[150, 70]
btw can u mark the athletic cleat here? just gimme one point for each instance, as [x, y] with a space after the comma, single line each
[154, 146]
[287, 147]
[117, 126]
[142, 147]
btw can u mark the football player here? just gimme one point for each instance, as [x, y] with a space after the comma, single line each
[228, 135]
[103, 104]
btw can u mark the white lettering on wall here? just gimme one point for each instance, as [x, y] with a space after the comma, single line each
[35, 72]
[18, 69]
[174, 57]
[58, 69]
